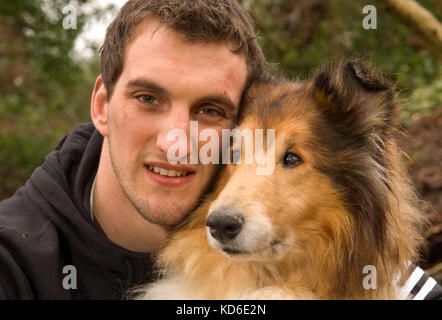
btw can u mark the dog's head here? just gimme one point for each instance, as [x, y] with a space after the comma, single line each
[330, 188]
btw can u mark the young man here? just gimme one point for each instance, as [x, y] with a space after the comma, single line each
[85, 224]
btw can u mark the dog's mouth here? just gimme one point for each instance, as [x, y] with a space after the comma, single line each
[236, 252]
[232, 252]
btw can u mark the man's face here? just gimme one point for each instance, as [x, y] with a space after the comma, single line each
[165, 84]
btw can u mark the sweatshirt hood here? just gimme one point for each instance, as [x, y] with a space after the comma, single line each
[65, 181]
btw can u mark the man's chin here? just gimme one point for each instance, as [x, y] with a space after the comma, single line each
[164, 215]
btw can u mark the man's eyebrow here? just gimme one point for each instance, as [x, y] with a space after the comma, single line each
[145, 84]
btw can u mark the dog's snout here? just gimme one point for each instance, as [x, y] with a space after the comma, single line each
[224, 226]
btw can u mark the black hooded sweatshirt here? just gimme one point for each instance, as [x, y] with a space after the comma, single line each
[50, 247]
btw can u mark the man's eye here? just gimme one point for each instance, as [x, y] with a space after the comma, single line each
[210, 112]
[148, 99]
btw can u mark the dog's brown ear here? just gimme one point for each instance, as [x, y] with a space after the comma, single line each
[358, 107]
[258, 85]
[356, 96]
[258, 90]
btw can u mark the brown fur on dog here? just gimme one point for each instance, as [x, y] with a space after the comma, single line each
[310, 229]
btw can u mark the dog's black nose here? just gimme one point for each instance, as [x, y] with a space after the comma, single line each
[224, 226]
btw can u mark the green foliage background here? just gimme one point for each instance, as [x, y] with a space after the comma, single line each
[45, 89]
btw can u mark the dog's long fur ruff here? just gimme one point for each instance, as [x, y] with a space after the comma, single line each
[308, 230]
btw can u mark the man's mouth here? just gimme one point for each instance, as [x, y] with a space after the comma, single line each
[173, 176]
[169, 173]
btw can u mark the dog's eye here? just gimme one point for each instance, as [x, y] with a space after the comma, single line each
[291, 160]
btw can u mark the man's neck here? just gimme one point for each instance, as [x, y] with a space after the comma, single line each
[116, 216]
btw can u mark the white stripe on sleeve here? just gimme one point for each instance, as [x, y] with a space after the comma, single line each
[413, 280]
[425, 290]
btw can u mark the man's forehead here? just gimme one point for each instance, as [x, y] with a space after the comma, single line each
[161, 51]
[153, 34]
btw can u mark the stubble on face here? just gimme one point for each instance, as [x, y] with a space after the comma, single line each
[166, 214]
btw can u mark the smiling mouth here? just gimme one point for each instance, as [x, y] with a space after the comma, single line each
[169, 173]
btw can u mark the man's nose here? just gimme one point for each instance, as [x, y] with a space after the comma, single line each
[224, 225]
[175, 121]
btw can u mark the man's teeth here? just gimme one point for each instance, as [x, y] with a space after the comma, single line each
[168, 173]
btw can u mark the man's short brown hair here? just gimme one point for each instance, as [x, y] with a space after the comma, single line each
[214, 21]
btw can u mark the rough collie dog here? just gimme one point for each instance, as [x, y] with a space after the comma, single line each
[338, 200]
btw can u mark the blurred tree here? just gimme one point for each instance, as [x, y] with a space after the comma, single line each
[420, 19]
[34, 41]
[44, 88]
[299, 36]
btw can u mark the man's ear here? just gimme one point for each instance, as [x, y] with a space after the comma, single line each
[356, 97]
[99, 107]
